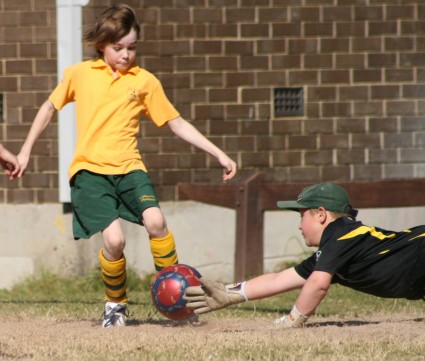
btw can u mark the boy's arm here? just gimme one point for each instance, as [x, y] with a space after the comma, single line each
[44, 116]
[213, 296]
[313, 292]
[190, 134]
[9, 162]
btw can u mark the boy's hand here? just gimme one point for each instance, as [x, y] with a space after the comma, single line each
[212, 296]
[294, 319]
[9, 163]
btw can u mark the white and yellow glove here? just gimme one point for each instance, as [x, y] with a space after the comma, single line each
[294, 319]
[212, 296]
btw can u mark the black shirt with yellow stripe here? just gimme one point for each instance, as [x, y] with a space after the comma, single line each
[371, 260]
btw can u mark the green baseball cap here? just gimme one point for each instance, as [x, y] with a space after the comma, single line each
[327, 195]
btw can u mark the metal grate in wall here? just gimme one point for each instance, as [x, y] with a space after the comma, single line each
[288, 102]
[1, 108]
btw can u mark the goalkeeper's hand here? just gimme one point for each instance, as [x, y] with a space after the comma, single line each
[212, 296]
[293, 320]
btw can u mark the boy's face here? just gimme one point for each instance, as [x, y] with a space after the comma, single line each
[121, 55]
[312, 225]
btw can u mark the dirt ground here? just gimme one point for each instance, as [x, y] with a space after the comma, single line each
[48, 338]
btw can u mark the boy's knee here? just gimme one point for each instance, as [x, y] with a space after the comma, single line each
[113, 247]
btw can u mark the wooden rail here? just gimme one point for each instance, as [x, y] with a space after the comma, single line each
[252, 196]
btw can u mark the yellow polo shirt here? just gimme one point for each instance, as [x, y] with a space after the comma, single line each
[108, 114]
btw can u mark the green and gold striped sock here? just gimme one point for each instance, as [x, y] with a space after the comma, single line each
[163, 251]
[114, 275]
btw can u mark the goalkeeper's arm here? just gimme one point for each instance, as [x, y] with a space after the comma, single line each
[213, 296]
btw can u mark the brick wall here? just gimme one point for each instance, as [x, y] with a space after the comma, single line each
[360, 64]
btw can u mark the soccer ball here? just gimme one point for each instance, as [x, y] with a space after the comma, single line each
[168, 289]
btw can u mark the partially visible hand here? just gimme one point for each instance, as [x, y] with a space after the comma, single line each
[23, 163]
[9, 163]
[294, 319]
[229, 166]
[212, 296]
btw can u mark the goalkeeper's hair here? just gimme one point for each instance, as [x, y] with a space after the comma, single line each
[336, 215]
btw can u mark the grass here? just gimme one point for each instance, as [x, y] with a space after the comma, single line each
[49, 317]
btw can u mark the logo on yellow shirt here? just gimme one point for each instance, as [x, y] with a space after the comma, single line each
[132, 94]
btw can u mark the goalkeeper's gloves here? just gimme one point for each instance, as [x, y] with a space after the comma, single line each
[294, 319]
[212, 296]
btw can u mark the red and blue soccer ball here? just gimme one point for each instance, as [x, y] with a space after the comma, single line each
[168, 289]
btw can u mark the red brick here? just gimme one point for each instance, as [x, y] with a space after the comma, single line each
[222, 30]
[255, 30]
[368, 108]
[377, 156]
[367, 75]
[303, 77]
[370, 12]
[382, 28]
[318, 61]
[286, 30]
[402, 107]
[191, 31]
[239, 79]
[9, 18]
[287, 158]
[240, 144]
[334, 45]
[336, 173]
[385, 92]
[232, 47]
[346, 29]
[321, 93]
[174, 15]
[235, 15]
[271, 15]
[223, 62]
[335, 76]
[367, 141]
[304, 174]
[208, 79]
[303, 46]
[322, 157]
[367, 172]
[254, 159]
[304, 14]
[336, 109]
[350, 61]
[207, 47]
[318, 29]
[158, 32]
[399, 75]
[353, 92]
[254, 62]
[185, 63]
[398, 171]
[332, 141]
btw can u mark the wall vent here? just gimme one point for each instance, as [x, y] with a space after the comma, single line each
[1, 108]
[288, 102]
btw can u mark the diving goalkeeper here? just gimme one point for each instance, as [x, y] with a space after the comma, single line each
[368, 259]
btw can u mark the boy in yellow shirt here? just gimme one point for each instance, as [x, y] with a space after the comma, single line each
[107, 175]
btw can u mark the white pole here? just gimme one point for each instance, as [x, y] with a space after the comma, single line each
[69, 45]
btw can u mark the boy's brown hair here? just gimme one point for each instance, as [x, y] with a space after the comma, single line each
[113, 24]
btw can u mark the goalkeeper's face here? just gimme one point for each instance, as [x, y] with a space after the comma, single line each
[312, 225]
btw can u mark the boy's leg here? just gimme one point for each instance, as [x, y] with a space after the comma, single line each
[163, 251]
[162, 244]
[113, 266]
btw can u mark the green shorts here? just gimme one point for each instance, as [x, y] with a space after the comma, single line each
[98, 200]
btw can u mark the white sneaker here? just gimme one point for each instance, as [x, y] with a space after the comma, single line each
[114, 314]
